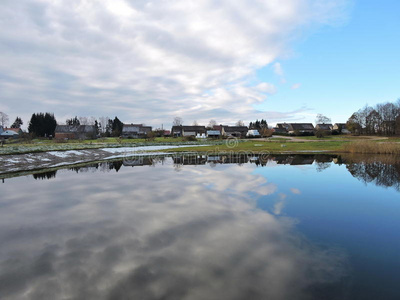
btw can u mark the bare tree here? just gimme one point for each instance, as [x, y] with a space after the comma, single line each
[103, 123]
[83, 121]
[4, 119]
[91, 120]
[240, 123]
[212, 123]
[177, 121]
[195, 123]
[321, 119]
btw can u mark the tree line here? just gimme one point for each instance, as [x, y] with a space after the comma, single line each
[44, 124]
[381, 119]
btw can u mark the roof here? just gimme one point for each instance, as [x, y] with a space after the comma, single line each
[340, 125]
[213, 132]
[75, 129]
[217, 127]
[189, 128]
[9, 133]
[300, 126]
[324, 126]
[235, 128]
[253, 132]
[14, 129]
[134, 127]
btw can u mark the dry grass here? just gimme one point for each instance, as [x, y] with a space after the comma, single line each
[369, 147]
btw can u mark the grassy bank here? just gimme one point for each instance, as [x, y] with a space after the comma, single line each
[34, 146]
[270, 146]
[368, 147]
[332, 144]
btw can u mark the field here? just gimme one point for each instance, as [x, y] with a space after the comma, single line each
[270, 146]
[276, 144]
[43, 145]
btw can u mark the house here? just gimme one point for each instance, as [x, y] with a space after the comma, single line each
[8, 133]
[292, 128]
[324, 127]
[183, 130]
[1, 129]
[135, 130]
[253, 133]
[75, 131]
[341, 128]
[281, 128]
[235, 131]
[213, 134]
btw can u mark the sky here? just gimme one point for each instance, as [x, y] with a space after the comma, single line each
[150, 61]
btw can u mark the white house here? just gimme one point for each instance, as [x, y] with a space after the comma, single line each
[213, 133]
[9, 134]
[135, 130]
[253, 133]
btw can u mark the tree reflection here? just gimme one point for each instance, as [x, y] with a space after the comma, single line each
[379, 170]
[384, 171]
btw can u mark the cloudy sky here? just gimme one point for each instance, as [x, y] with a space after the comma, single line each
[149, 61]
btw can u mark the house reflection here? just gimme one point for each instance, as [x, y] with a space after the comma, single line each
[382, 170]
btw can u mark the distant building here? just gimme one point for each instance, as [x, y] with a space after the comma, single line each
[135, 130]
[235, 131]
[341, 128]
[281, 128]
[291, 128]
[17, 130]
[324, 127]
[183, 130]
[8, 133]
[213, 133]
[75, 131]
[253, 133]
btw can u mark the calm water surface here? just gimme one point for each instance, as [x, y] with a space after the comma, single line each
[294, 227]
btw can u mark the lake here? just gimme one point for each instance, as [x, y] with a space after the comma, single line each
[204, 227]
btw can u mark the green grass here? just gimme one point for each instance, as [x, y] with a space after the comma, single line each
[42, 145]
[280, 139]
[273, 147]
[335, 137]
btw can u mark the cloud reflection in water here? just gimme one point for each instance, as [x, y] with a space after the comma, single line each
[152, 233]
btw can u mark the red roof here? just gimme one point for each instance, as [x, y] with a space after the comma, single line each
[17, 130]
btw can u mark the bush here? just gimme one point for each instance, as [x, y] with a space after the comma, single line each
[320, 133]
[190, 138]
[369, 147]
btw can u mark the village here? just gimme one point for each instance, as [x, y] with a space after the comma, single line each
[81, 132]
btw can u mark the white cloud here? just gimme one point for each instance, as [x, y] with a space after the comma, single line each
[145, 60]
[266, 88]
[278, 70]
[295, 191]
[296, 86]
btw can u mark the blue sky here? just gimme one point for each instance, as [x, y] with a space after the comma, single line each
[341, 68]
[150, 61]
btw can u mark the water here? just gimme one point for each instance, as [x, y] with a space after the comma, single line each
[286, 227]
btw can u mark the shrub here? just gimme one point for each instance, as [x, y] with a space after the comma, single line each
[369, 147]
[190, 138]
[320, 133]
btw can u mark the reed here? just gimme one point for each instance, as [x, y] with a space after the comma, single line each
[370, 147]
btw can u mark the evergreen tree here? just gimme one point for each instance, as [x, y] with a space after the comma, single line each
[73, 121]
[96, 126]
[42, 124]
[17, 123]
[116, 127]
